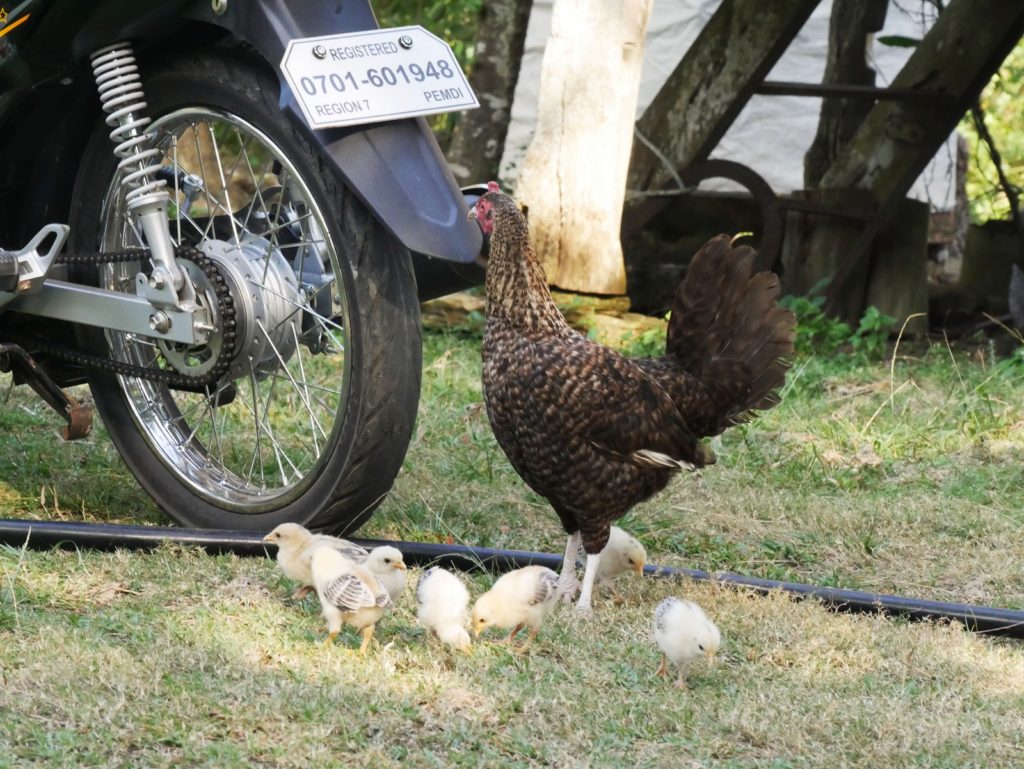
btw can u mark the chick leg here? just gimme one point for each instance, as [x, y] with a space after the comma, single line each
[583, 605]
[302, 592]
[512, 635]
[663, 667]
[567, 582]
[681, 682]
[617, 598]
[529, 640]
[367, 634]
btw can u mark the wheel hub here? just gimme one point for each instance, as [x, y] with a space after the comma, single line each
[268, 304]
[190, 360]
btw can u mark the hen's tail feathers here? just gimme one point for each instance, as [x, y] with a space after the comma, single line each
[728, 330]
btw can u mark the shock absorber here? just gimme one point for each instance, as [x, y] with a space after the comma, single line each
[122, 98]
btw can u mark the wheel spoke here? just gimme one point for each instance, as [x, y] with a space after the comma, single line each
[264, 431]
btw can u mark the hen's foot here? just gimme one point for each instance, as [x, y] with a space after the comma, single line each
[568, 587]
[584, 609]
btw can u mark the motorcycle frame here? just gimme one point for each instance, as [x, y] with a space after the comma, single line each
[396, 168]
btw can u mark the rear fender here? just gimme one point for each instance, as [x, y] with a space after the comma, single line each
[396, 168]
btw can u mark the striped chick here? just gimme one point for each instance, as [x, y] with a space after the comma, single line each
[520, 598]
[442, 603]
[387, 565]
[683, 632]
[348, 593]
[295, 546]
[622, 553]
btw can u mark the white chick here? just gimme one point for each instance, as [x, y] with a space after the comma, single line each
[386, 564]
[295, 546]
[348, 593]
[622, 553]
[521, 598]
[683, 632]
[443, 606]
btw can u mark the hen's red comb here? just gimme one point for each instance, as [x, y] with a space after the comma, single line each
[493, 187]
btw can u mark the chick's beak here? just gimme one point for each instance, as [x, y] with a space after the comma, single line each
[267, 539]
[711, 658]
[638, 568]
[399, 565]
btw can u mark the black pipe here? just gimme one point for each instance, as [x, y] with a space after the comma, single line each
[102, 536]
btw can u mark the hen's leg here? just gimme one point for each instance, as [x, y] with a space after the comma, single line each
[583, 605]
[567, 582]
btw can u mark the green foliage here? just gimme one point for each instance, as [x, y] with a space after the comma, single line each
[872, 334]
[815, 331]
[818, 333]
[454, 21]
[1001, 102]
[649, 343]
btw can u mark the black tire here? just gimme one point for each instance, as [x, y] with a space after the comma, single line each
[370, 329]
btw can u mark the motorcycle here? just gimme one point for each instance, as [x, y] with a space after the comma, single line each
[239, 289]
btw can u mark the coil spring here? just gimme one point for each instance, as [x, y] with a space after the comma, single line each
[121, 95]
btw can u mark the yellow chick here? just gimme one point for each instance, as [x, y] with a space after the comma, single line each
[348, 593]
[295, 546]
[683, 632]
[387, 565]
[520, 598]
[442, 603]
[622, 553]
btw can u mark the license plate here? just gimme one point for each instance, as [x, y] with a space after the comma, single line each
[366, 77]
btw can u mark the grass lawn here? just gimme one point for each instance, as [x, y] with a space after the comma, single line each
[901, 476]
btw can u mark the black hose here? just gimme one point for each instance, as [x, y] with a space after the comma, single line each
[40, 535]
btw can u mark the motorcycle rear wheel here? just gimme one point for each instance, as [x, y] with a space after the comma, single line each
[314, 418]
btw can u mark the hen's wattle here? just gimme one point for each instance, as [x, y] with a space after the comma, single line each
[595, 432]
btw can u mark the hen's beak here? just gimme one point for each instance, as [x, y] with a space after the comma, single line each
[481, 259]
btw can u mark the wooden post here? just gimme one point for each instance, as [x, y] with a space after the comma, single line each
[704, 94]
[954, 61]
[848, 30]
[574, 173]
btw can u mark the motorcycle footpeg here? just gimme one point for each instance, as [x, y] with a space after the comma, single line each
[23, 272]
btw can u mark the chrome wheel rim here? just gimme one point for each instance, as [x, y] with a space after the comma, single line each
[258, 438]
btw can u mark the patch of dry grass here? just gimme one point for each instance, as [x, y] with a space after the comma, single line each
[901, 480]
[205, 662]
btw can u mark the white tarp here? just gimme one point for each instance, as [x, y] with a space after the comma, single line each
[772, 133]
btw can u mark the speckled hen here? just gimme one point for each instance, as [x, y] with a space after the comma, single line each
[595, 432]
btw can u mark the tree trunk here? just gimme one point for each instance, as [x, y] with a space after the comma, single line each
[479, 136]
[848, 30]
[574, 174]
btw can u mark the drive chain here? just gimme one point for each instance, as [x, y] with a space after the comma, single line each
[167, 376]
